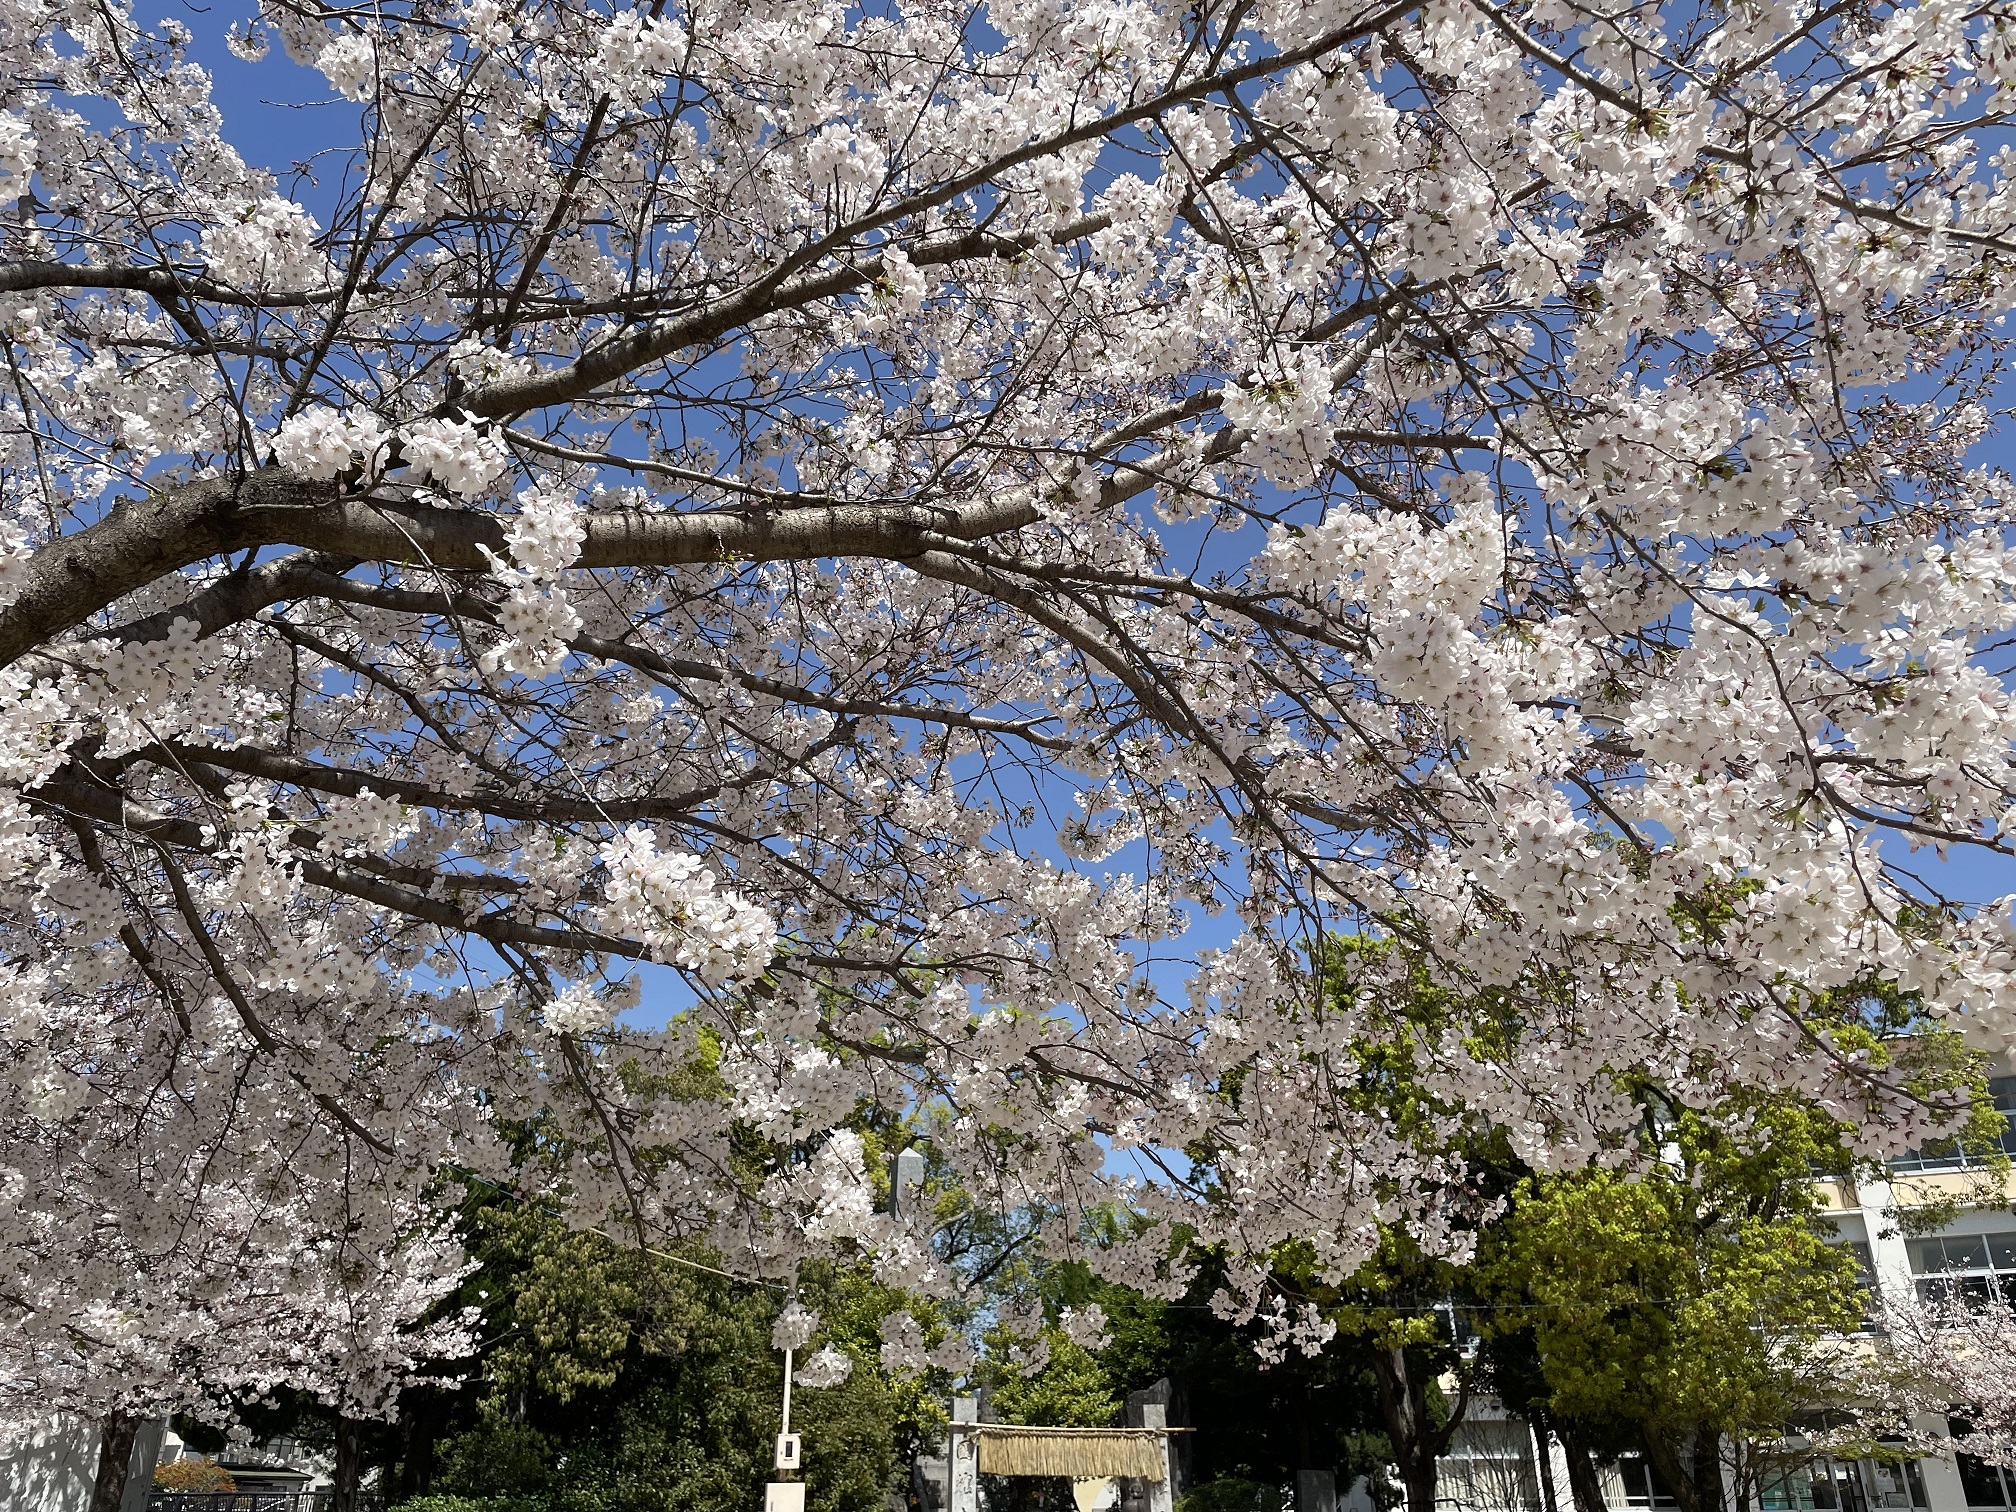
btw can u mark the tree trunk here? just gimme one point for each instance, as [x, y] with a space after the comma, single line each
[1416, 1441]
[1709, 1490]
[416, 1461]
[349, 1464]
[115, 1457]
[1691, 1465]
[1585, 1485]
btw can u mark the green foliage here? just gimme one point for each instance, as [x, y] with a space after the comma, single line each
[1073, 1390]
[496, 1456]
[1644, 1299]
[1694, 1302]
[1265, 1422]
[1231, 1494]
[622, 1382]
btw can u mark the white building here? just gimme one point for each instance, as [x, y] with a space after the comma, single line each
[53, 1466]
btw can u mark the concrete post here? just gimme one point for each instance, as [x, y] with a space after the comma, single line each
[1162, 1493]
[1943, 1489]
[1315, 1491]
[147, 1441]
[962, 1457]
[1556, 1484]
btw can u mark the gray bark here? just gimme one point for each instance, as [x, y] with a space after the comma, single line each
[140, 540]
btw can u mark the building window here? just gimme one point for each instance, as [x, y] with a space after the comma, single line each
[1899, 1485]
[1795, 1492]
[1819, 1485]
[1632, 1482]
[1827, 1485]
[1987, 1486]
[1974, 1267]
[1946, 1154]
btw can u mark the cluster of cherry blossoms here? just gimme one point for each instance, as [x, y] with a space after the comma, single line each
[970, 551]
[672, 903]
[1940, 1377]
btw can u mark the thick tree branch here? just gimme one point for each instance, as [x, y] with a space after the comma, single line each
[71, 796]
[77, 575]
[29, 275]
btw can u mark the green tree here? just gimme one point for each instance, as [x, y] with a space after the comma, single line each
[619, 1381]
[1694, 1305]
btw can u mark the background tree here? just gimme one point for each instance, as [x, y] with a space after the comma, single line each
[1689, 1297]
[1698, 1305]
[614, 1381]
[1511, 1367]
[1398, 1314]
[1398, 1311]
[1940, 1379]
[1260, 1420]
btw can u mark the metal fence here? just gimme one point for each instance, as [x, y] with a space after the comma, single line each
[257, 1501]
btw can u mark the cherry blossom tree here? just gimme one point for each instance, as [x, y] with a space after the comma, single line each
[1939, 1377]
[353, 1330]
[119, 1307]
[971, 536]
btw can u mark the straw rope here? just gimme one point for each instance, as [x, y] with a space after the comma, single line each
[1076, 1452]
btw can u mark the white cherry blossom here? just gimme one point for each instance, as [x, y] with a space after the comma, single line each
[971, 551]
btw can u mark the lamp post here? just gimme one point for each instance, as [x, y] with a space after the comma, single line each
[784, 1494]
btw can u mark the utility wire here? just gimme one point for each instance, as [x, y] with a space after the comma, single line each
[713, 1270]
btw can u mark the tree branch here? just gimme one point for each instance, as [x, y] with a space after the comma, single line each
[75, 576]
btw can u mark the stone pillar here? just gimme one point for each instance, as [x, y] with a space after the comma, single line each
[140, 1473]
[1158, 1406]
[962, 1457]
[1315, 1491]
[1161, 1493]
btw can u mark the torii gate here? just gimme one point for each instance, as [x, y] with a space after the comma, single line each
[1083, 1454]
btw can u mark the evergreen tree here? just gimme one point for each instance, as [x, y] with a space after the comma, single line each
[624, 1382]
